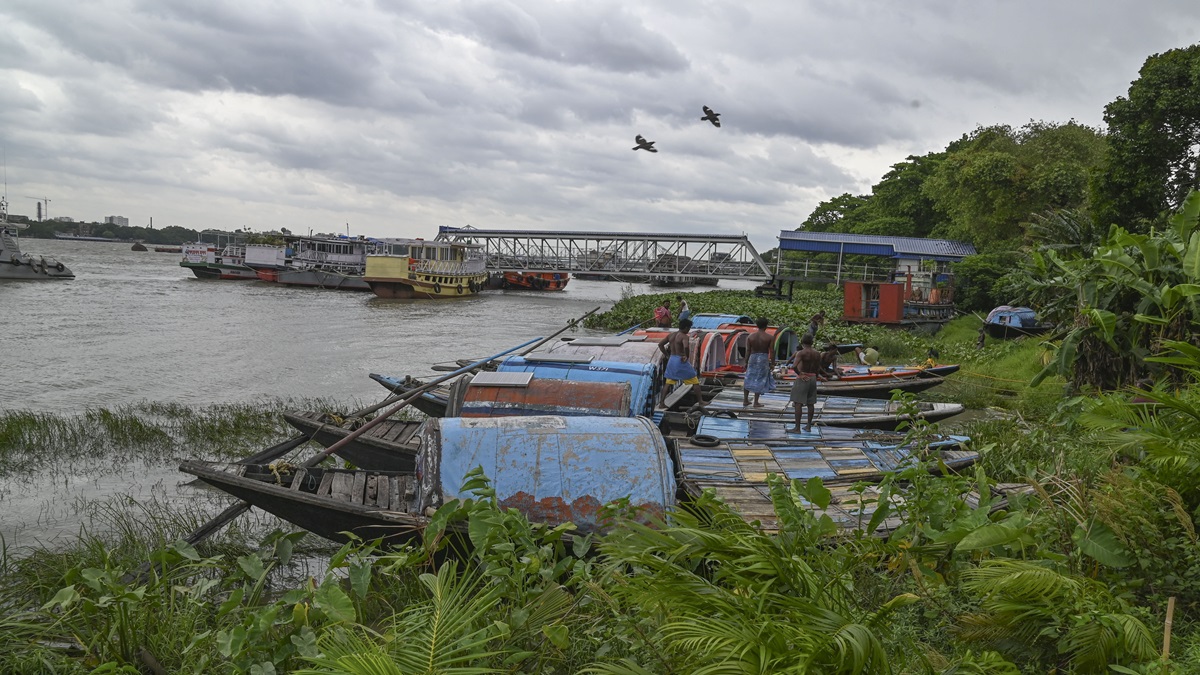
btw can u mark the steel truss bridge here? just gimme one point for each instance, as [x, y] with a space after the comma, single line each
[627, 255]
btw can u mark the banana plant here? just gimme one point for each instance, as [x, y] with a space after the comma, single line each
[1134, 293]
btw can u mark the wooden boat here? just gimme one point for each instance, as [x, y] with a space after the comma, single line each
[801, 458]
[850, 507]
[642, 378]
[432, 402]
[416, 268]
[553, 469]
[510, 394]
[556, 469]
[879, 384]
[389, 446]
[327, 502]
[168, 249]
[536, 281]
[829, 411]
[617, 348]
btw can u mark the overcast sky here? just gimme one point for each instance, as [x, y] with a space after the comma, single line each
[396, 117]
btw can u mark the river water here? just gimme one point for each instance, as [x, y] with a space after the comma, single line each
[135, 326]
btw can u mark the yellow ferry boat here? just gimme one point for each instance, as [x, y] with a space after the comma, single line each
[416, 268]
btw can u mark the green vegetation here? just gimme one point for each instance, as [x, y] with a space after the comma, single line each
[145, 431]
[1072, 575]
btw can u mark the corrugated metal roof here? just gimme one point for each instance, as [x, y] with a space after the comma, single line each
[901, 247]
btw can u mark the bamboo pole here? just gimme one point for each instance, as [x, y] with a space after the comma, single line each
[1166, 652]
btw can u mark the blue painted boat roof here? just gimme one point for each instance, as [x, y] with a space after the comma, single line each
[713, 321]
[640, 376]
[554, 468]
[878, 245]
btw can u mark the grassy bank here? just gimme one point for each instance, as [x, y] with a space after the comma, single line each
[1071, 578]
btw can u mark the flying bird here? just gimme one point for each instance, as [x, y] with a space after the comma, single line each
[643, 144]
[710, 116]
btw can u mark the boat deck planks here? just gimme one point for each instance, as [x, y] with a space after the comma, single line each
[326, 485]
[733, 461]
[298, 479]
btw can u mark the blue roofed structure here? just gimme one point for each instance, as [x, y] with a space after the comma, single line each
[869, 244]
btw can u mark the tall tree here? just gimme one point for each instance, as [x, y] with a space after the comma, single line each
[898, 205]
[1154, 142]
[993, 180]
[839, 214]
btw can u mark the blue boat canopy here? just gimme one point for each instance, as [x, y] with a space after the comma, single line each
[714, 321]
[640, 376]
[553, 469]
[1021, 317]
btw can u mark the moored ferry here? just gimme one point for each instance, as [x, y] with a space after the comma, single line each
[538, 281]
[329, 261]
[222, 258]
[417, 268]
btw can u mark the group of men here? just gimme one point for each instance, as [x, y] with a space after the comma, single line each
[662, 313]
[809, 365]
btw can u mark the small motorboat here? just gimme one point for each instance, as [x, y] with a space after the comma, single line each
[1005, 322]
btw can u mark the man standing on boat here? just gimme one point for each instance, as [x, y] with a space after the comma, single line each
[815, 323]
[662, 315]
[685, 312]
[760, 361]
[676, 347]
[807, 365]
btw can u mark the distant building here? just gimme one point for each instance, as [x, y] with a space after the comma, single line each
[116, 220]
[63, 219]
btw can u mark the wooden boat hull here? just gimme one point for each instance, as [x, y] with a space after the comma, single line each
[829, 411]
[321, 507]
[389, 446]
[1003, 331]
[432, 403]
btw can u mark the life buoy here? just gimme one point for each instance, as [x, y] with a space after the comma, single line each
[60, 267]
[437, 288]
[459, 289]
[705, 441]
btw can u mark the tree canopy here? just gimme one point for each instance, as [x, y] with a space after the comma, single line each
[1154, 142]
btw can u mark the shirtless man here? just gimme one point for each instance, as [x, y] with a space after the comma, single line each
[676, 347]
[760, 361]
[807, 365]
[829, 361]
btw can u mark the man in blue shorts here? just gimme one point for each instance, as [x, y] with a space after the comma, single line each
[676, 348]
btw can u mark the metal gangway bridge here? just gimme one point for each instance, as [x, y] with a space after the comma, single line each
[622, 255]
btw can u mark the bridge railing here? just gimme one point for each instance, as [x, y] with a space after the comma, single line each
[698, 268]
[815, 269]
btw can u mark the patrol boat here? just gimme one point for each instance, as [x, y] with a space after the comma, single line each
[17, 265]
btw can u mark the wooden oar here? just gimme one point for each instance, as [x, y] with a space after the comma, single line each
[634, 327]
[479, 364]
[413, 395]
